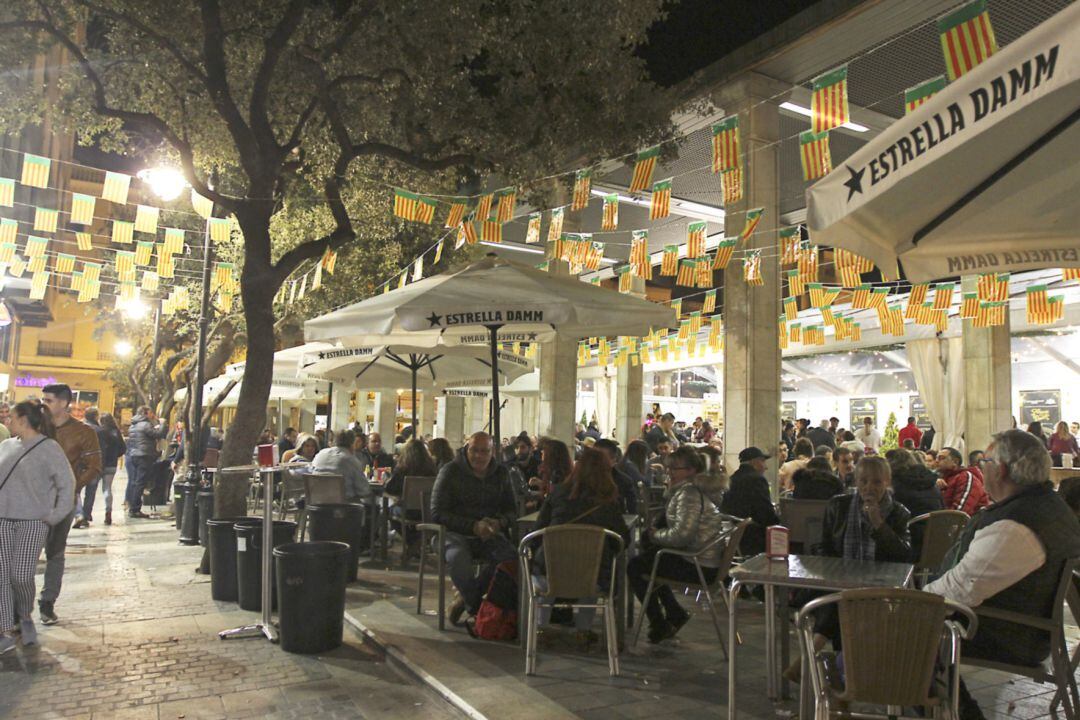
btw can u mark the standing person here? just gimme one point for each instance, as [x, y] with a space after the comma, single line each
[112, 449]
[80, 445]
[662, 431]
[37, 491]
[142, 451]
[1063, 443]
[5, 416]
[868, 434]
[927, 442]
[961, 488]
[84, 498]
[1036, 429]
[749, 498]
[910, 432]
[821, 435]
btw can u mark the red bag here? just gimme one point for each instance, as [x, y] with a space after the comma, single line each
[497, 617]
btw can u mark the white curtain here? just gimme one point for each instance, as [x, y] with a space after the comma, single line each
[956, 413]
[925, 359]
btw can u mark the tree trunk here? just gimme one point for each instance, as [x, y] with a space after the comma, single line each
[257, 288]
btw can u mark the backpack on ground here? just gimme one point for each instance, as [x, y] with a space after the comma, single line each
[497, 617]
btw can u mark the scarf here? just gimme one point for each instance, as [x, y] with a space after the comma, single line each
[858, 539]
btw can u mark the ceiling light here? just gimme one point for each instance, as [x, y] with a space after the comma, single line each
[799, 109]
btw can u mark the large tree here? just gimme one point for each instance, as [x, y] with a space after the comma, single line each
[297, 115]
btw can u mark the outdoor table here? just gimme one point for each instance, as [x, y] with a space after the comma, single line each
[812, 572]
[1057, 474]
[383, 538]
[624, 607]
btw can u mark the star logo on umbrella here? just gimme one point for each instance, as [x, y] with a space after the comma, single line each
[532, 337]
[854, 183]
[434, 319]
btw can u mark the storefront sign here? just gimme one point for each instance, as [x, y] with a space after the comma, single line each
[465, 393]
[917, 409]
[34, 382]
[789, 410]
[861, 408]
[1041, 406]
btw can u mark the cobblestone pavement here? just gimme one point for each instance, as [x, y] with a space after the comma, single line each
[137, 639]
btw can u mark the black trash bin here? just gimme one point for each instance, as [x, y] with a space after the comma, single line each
[339, 523]
[178, 503]
[205, 501]
[311, 585]
[189, 525]
[222, 536]
[249, 560]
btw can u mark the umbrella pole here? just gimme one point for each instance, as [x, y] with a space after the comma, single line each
[496, 430]
[415, 368]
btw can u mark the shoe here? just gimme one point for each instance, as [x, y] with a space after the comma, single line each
[678, 621]
[455, 611]
[45, 612]
[7, 644]
[660, 631]
[108, 517]
[139, 515]
[28, 632]
[80, 523]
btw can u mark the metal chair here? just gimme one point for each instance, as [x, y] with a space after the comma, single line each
[731, 536]
[292, 489]
[894, 640]
[804, 520]
[572, 557]
[321, 489]
[942, 529]
[414, 493]
[1072, 599]
[1060, 670]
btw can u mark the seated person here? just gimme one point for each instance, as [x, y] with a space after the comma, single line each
[415, 461]
[637, 454]
[749, 498]
[307, 446]
[340, 460]
[801, 453]
[961, 487]
[691, 520]
[524, 457]
[472, 497]
[1011, 555]
[589, 497]
[915, 486]
[626, 478]
[865, 525]
[376, 457]
[816, 481]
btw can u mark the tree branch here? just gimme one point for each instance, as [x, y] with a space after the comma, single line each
[273, 46]
[418, 161]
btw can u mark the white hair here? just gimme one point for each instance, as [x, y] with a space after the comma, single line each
[1024, 455]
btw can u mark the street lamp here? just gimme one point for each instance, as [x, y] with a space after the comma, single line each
[165, 182]
[122, 348]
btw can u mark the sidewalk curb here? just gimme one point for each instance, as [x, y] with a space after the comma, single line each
[402, 661]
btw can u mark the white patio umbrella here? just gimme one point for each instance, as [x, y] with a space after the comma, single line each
[384, 366]
[507, 299]
[982, 177]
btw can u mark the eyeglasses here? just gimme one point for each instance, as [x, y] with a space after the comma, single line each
[679, 467]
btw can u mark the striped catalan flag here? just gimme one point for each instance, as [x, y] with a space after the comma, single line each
[174, 240]
[468, 232]
[115, 187]
[685, 276]
[878, 297]
[918, 94]
[149, 281]
[660, 202]
[1070, 274]
[639, 254]
[1038, 305]
[626, 279]
[969, 305]
[789, 245]
[796, 283]
[709, 304]
[220, 229]
[582, 189]
[795, 332]
[82, 209]
[35, 171]
[84, 241]
[860, 298]
[808, 262]
[703, 272]
[556, 224]
[849, 276]
[491, 231]
[752, 268]
[594, 255]
[144, 250]
[856, 331]
[644, 166]
[731, 185]
[8, 231]
[36, 264]
[1057, 308]
[753, 218]
[791, 308]
[916, 299]
[725, 144]
[7, 192]
[782, 332]
[532, 232]
[993, 287]
[669, 262]
[695, 239]
[166, 266]
[439, 251]
[45, 219]
[695, 321]
[64, 263]
[829, 102]
[204, 207]
[425, 210]
[610, 218]
[967, 38]
[943, 295]
[18, 267]
[36, 246]
[456, 213]
[724, 251]
[582, 353]
[483, 207]
[814, 151]
[507, 203]
[146, 218]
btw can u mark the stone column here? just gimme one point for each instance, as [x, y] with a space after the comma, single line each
[363, 408]
[340, 399]
[427, 413]
[558, 380]
[752, 353]
[987, 378]
[530, 414]
[451, 419]
[629, 380]
[386, 416]
[307, 417]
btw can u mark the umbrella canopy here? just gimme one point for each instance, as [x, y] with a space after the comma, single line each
[982, 177]
[287, 389]
[505, 298]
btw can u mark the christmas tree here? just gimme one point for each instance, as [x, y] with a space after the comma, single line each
[890, 438]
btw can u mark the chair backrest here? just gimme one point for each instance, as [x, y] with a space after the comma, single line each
[324, 488]
[211, 457]
[943, 527]
[732, 548]
[1066, 591]
[803, 519]
[891, 638]
[414, 490]
[572, 555]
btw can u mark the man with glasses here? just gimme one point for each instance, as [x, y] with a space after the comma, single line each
[473, 498]
[749, 498]
[961, 487]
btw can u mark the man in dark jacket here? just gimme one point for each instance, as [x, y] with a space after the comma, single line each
[472, 497]
[1012, 555]
[663, 430]
[142, 450]
[821, 436]
[816, 481]
[749, 498]
[915, 487]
